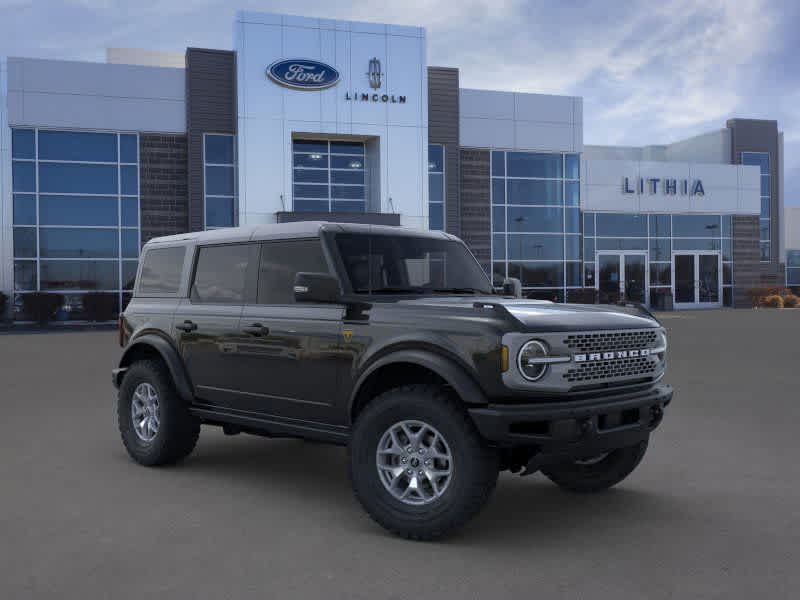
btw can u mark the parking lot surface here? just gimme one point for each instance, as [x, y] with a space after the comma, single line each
[712, 512]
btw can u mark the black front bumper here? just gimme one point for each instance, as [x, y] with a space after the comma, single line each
[574, 429]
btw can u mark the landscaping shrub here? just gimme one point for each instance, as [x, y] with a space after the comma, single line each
[41, 306]
[99, 306]
[790, 301]
[773, 301]
[758, 295]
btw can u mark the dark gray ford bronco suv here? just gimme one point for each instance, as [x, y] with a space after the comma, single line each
[392, 342]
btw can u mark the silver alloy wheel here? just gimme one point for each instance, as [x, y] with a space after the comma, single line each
[414, 462]
[145, 412]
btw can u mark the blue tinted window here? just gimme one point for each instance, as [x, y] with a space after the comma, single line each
[347, 162]
[696, 225]
[129, 268]
[348, 206]
[588, 249]
[77, 210]
[347, 192]
[24, 209]
[588, 224]
[311, 205]
[793, 277]
[219, 149]
[312, 161]
[312, 175]
[525, 191]
[727, 249]
[572, 190]
[766, 251]
[764, 229]
[621, 225]
[498, 163]
[572, 247]
[498, 191]
[25, 275]
[80, 275]
[435, 158]
[538, 274]
[80, 146]
[529, 164]
[129, 183]
[24, 242]
[793, 258]
[572, 220]
[78, 243]
[727, 225]
[130, 243]
[695, 244]
[573, 166]
[219, 181]
[537, 220]
[759, 159]
[535, 247]
[130, 212]
[765, 208]
[436, 187]
[23, 143]
[660, 226]
[347, 148]
[498, 218]
[77, 179]
[219, 212]
[499, 247]
[436, 216]
[310, 146]
[128, 149]
[621, 244]
[765, 185]
[660, 249]
[357, 177]
[23, 176]
[573, 274]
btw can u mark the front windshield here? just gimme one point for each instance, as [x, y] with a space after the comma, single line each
[385, 264]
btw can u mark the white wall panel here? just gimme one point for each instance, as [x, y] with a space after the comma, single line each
[486, 133]
[486, 104]
[540, 135]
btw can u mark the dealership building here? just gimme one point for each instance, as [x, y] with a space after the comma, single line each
[339, 120]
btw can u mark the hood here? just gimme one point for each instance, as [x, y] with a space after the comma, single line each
[543, 315]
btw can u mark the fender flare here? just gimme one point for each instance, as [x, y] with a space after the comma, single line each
[169, 355]
[454, 374]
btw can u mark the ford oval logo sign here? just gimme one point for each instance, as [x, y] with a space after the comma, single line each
[303, 74]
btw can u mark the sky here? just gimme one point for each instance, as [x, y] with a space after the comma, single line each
[649, 72]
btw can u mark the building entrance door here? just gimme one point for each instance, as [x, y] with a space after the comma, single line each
[697, 279]
[622, 276]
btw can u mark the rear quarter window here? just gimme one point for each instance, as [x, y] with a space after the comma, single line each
[161, 271]
[221, 274]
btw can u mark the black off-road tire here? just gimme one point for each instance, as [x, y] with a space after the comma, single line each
[598, 476]
[475, 465]
[178, 430]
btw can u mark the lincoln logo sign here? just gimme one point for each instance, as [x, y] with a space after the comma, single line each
[302, 74]
[667, 186]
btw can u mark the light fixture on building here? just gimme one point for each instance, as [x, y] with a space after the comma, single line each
[355, 164]
[316, 156]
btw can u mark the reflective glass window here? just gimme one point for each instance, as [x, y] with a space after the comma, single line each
[311, 205]
[535, 219]
[24, 209]
[695, 244]
[79, 275]
[130, 243]
[572, 247]
[435, 158]
[129, 180]
[498, 191]
[130, 212]
[312, 175]
[58, 242]
[357, 177]
[588, 274]
[77, 210]
[128, 148]
[588, 249]
[759, 159]
[23, 176]
[535, 247]
[354, 163]
[67, 178]
[696, 225]
[436, 216]
[279, 264]
[498, 218]
[498, 163]
[660, 226]
[573, 166]
[219, 149]
[129, 273]
[531, 191]
[793, 258]
[220, 274]
[25, 242]
[765, 191]
[531, 164]
[347, 206]
[538, 274]
[23, 143]
[25, 275]
[573, 274]
[661, 274]
[312, 161]
[572, 193]
[356, 148]
[588, 224]
[660, 249]
[310, 146]
[727, 226]
[765, 250]
[572, 220]
[77, 146]
[727, 249]
[621, 243]
[623, 225]
[499, 247]
[347, 192]
[219, 212]
[161, 271]
[219, 181]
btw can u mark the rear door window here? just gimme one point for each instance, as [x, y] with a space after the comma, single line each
[220, 275]
[280, 262]
[161, 271]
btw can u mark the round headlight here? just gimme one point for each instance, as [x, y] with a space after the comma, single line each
[527, 360]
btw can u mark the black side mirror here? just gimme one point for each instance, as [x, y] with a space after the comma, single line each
[316, 287]
[512, 287]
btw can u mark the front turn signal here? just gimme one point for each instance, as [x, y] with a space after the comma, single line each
[503, 359]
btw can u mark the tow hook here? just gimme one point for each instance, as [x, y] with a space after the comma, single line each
[656, 414]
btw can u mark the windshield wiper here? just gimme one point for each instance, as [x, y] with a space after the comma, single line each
[390, 290]
[459, 290]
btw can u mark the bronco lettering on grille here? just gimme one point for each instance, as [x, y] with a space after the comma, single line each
[610, 355]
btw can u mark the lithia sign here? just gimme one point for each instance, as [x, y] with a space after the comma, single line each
[306, 74]
[667, 186]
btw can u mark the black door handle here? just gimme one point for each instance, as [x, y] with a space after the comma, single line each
[256, 329]
[186, 326]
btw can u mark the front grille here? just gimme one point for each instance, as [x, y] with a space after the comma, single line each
[613, 340]
[640, 366]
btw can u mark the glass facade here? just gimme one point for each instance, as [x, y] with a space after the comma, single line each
[328, 176]
[761, 160]
[436, 186]
[75, 215]
[536, 221]
[219, 169]
[793, 268]
[659, 235]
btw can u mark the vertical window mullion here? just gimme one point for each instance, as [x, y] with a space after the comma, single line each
[36, 188]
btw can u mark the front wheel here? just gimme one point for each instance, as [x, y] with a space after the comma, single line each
[597, 473]
[417, 463]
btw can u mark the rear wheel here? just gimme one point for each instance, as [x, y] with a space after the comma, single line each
[154, 422]
[417, 463]
[597, 473]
